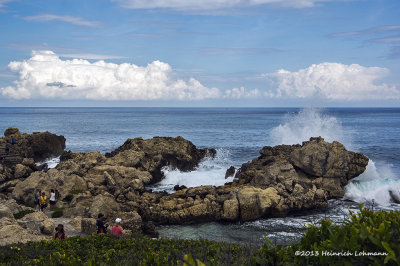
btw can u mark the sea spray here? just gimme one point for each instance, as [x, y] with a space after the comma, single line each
[51, 163]
[211, 171]
[373, 185]
[307, 123]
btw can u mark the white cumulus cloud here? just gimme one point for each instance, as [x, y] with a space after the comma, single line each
[213, 4]
[45, 75]
[334, 81]
[242, 92]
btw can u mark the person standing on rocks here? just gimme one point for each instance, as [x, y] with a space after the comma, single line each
[58, 195]
[36, 196]
[52, 199]
[60, 234]
[43, 202]
[101, 225]
[117, 228]
[7, 149]
[12, 140]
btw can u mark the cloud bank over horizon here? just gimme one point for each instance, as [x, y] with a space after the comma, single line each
[46, 75]
[333, 81]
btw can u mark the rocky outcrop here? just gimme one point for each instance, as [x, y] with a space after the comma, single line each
[327, 166]
[5, 212]
[38, 145]
[38, 222]
[35, 226]
[152, 154]
[19, 158]
[11, 233]
[283, 179]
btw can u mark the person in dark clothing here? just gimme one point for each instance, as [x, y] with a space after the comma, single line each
[60, 232]
[12, 140]
[7, 148]
[58, 195]
[101, 225]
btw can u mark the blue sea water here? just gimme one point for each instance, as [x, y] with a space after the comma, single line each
[237, 134]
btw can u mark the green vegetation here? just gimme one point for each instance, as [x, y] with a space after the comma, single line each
[356, 242]
[364, 232]
[76, 191]
[21, 214]
[57, 212]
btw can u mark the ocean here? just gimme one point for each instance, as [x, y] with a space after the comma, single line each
[237, 134]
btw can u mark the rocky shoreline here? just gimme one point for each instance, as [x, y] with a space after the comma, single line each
[282, 180]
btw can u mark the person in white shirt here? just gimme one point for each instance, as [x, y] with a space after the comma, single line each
[52, 199]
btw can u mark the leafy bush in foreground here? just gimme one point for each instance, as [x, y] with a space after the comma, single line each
[365, 238]
[326, 244]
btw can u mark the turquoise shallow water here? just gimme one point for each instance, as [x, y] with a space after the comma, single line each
[237, 134]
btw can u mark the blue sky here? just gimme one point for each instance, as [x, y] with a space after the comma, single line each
[200, 53]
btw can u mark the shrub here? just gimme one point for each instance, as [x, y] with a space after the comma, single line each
[21, 214]
[365, 238]
[57, 213]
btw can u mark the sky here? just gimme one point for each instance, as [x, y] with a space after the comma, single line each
[210, 53]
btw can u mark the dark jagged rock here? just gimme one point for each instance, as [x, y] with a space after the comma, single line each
[178, 187]
[230, 172]
[38, 145]
[149, 228]
[394, 196]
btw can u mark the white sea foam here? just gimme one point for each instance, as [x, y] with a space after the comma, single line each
[51, 163]
[211, 171]
[373, 185]
[309, 122]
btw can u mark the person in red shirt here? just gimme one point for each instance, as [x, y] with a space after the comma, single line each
[60, 232]
[117, 228]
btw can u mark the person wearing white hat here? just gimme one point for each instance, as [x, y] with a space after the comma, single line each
[117, 228]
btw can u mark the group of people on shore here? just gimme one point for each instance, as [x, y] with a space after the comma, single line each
[102, 226]
[41, 199]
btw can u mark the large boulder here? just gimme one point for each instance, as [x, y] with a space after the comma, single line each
[255, 203]
[328, 166]
[105, 204]
[37, 221]
[5, 212]
[67, 184]
[13, 206]
[231, 209]
[38, 145]
[330, 160]
[14, 233]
